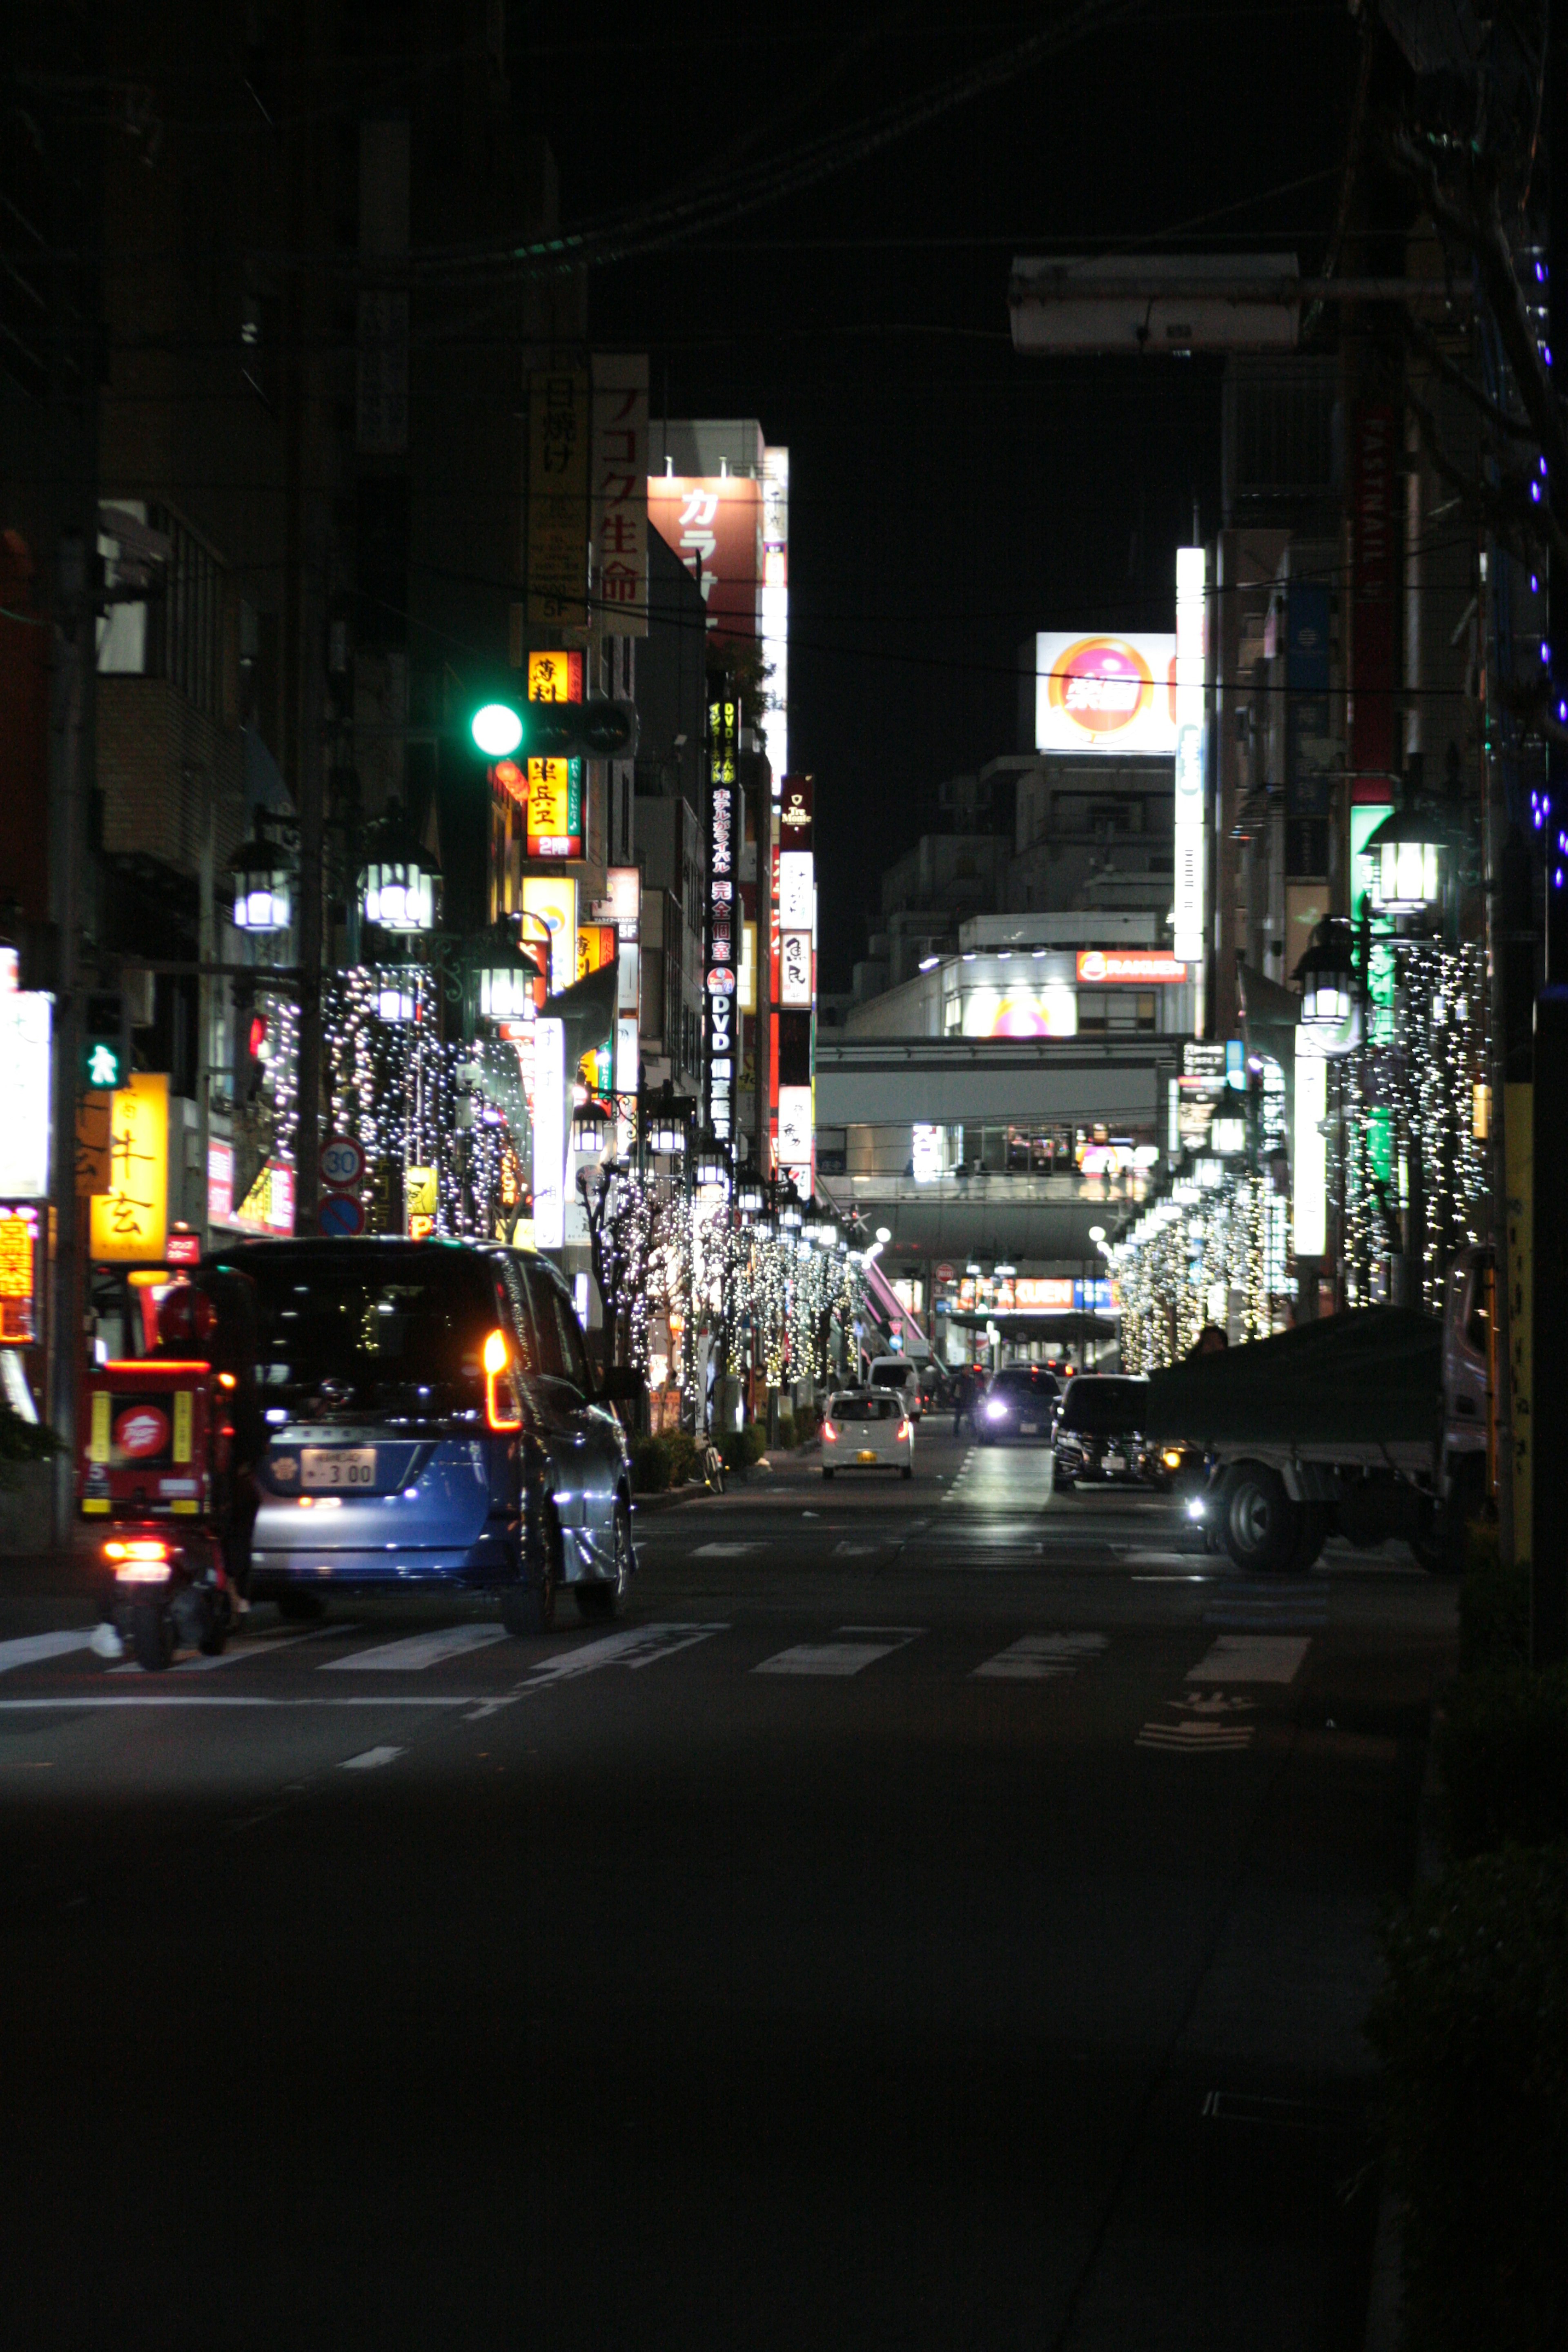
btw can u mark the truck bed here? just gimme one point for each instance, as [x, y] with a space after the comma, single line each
[1366, 1386]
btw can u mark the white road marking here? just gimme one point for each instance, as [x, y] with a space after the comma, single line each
[723, 1550]
[370, 1760]
[32, 1649]
[852, 1550]
[640, 1646]
[418, 1652]
[1196, 1739]
[258, 1645]
[1251, 1658]
[252, 1647]
[852, 1648]
[154, 1697]
[1041, 1657]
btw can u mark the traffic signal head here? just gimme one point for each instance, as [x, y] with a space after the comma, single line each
[497, 730]
[596, 730]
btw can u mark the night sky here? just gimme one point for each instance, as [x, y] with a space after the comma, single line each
[948, 497]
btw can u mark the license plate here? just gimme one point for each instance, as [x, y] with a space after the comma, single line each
[866, 1455]
[337, 1468]
[1115, 1462]
[1028, 1429]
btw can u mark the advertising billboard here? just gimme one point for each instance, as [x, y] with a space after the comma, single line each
[714, 524]
[1025, 1011]
[1095, 693]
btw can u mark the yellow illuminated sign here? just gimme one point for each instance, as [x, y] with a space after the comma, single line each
[420, 1192]
[553, 898]
[131, 1219]
[15, 1257]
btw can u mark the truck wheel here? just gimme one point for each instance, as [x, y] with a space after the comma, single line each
[1316, 1528]
[1262, 1526]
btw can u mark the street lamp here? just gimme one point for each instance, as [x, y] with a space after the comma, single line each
[399, 880]
[263, 879]
[396, 988]
[749, 1199]
[1407, 850]
[1328, 976]
[713, 1161]
[506, 975]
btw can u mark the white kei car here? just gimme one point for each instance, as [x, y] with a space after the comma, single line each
[867, 1429]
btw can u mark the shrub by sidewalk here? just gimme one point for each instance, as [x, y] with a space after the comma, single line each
[663, 1461]
[1472, 2028]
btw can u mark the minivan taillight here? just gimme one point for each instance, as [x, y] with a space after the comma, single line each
[503, 1406]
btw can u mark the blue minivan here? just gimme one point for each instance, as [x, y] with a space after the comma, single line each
[431, 1419]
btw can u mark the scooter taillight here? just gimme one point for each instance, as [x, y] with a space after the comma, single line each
[140, 1560]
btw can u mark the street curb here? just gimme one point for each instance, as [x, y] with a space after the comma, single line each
[1385, 2298]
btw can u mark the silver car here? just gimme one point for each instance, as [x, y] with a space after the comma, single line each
[428, 1417]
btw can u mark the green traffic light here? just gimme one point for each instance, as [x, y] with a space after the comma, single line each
[103, 1067]
[497, 729]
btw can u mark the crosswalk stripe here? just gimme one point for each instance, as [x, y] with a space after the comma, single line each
[639, 1645]
[724, 1550]
[33, 1649]
[1042, 1657]
[1196, 1738]
[1251, 1658]
[851, 1650]
[418, 1652]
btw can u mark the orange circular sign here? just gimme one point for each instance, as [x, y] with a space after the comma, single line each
[1102, 684]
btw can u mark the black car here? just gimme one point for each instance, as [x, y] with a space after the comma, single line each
[1021, 1401]
[1099, 1439]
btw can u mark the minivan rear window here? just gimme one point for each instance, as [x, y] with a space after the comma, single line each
[1103, 1405]
[400, 1328]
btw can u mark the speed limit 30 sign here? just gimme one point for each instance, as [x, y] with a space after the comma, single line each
[342, 1164]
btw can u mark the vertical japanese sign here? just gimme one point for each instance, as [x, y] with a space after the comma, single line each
[550, 1134]
[130, 1220]
[25, 1054]
[555, 676]
[1192, 576]
[1372, 596]
[554, 808]
[559, 432]
[724, 958]
[794, 916]
[775, 608]
[620, 490]
[1309, 749]
[714, 524]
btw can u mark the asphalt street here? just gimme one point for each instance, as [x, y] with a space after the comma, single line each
[936, 1915]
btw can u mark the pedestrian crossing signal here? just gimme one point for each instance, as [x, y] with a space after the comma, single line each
[106, 1047]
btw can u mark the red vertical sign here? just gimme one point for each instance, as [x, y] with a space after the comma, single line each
[1374, 703]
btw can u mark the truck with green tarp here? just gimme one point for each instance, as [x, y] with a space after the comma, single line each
[1368, 1424]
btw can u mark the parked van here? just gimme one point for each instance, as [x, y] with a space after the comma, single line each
[902, 1375]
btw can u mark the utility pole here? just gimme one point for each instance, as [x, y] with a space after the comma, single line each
[74, 333]
[302, 736]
